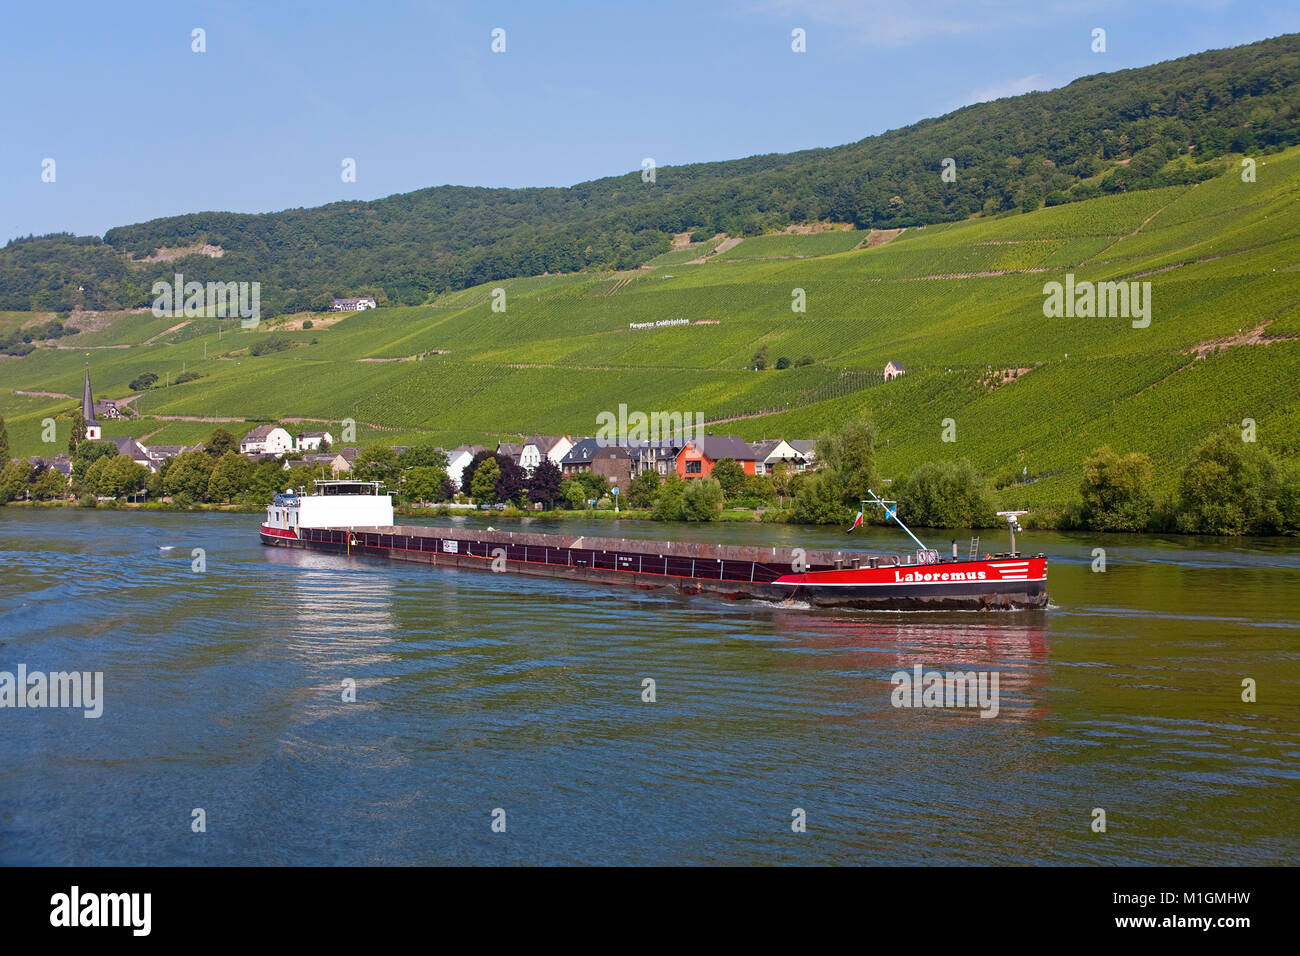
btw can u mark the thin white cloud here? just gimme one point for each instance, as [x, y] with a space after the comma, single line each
[895, 23]
[1025, 84]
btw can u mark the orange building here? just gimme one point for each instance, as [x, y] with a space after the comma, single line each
[699, 456]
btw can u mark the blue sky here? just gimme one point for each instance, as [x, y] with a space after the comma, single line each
[140, 126]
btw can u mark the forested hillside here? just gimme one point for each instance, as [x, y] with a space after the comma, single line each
[1110, 133]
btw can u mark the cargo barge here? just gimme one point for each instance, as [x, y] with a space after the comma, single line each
[356, 518]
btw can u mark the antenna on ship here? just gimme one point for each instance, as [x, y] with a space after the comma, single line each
[1013, 525]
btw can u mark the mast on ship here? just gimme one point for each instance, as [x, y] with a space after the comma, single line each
[924, 554]
[891, 511]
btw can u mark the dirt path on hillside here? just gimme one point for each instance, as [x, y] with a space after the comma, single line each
[19, 391]
[816, 228]
[86, 348]
[981, 275]
[1254, 336]
[175, 328]
[1194, 262]
[724, 246]
[737, 418]
[408, 358]
[880, 237]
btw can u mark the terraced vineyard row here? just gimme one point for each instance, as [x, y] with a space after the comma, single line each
[790, 246]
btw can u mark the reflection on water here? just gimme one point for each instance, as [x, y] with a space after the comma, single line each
[1013, 644]
[340, 621]
[224, 689]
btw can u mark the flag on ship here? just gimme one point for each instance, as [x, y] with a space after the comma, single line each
[857, 522]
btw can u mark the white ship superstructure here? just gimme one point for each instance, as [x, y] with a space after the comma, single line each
[336, 504]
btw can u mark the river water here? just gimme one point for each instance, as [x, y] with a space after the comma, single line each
[478, 692]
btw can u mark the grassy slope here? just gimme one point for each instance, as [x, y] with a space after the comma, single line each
[931, 299]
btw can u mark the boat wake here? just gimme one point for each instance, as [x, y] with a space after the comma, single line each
[785, 605]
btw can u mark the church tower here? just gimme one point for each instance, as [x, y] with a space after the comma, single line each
[88, 410]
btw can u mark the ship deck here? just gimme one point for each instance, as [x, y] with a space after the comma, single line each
[718, 562]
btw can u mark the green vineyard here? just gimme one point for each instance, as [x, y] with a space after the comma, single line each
[960, 305]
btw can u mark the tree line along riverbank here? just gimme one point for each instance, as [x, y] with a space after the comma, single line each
[1229, 485]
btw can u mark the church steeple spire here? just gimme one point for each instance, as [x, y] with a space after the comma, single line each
[88, 400]
[88, 410]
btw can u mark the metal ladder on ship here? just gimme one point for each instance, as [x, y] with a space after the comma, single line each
[974, 548]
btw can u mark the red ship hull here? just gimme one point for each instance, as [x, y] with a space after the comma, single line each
[1013, 581]
[1002, 582]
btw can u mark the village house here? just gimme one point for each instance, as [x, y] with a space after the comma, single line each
[615, 463]
[770, 451]
[893, 370]
[311, 441]
[511, 450]
[458, 458]
[266, 440]
[659, 457]
[62, 463]
[619, 463]
[529, 453]
[158, 454]
[554, 447]
[807, 448]
[337, 464]
[697, 458]
[135, 451]
[353, 305]
[106, 409]
[578, 459]
[331, 462]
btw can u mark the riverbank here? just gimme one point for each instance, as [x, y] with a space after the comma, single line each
[163, 507]
[773, 516]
